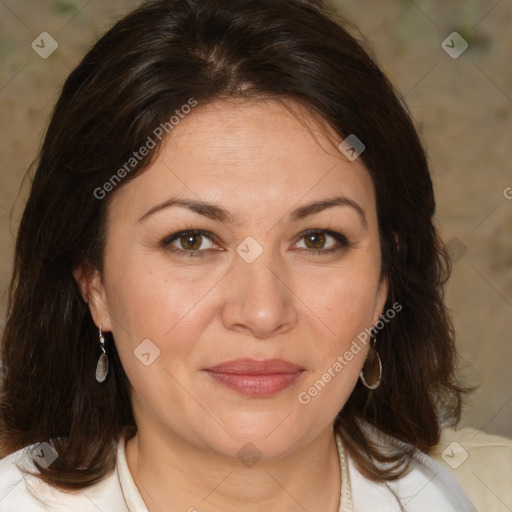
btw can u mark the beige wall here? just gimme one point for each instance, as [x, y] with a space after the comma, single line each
[462, 107]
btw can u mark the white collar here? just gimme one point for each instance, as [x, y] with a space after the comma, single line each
[131, 493]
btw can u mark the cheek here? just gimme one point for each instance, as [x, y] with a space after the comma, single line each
[344, 308]
[142, 296]
[344, 299]
[340, 344]
[146, 304]
[148, 301]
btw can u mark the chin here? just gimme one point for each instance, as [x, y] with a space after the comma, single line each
[272, 438]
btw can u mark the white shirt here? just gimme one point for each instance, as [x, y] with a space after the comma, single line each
[428, 487]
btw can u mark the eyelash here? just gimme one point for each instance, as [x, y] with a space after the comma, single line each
[341, 239]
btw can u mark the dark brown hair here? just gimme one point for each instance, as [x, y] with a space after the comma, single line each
[135, 77]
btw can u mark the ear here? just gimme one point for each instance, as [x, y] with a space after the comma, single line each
[380, 300]
[93, 292]
[383, 289]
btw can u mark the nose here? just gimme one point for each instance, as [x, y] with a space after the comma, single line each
[259, 298]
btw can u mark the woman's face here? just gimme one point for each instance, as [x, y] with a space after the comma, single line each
[252, 285]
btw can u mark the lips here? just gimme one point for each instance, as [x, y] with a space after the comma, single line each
[255, 378]
[255, 367]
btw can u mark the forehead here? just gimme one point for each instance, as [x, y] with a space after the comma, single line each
[262, 130]
[249, 156]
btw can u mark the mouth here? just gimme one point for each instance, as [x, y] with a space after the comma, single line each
[255, 378]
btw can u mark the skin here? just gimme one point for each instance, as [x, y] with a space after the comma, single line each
[259, 161]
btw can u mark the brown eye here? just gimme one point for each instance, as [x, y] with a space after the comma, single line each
[191, 241]
[315, 240]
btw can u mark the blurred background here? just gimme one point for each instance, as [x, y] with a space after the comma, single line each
[459, 91]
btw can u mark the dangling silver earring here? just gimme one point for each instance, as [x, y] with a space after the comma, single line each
[371, 366]
[102, 366]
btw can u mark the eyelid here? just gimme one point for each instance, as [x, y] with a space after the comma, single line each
[178, 234]
[339, 237]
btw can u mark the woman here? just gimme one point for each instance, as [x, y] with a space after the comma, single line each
[228, 286]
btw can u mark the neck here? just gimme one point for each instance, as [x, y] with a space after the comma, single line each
[173, 475]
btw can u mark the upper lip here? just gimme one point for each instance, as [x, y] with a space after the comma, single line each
[256, 367]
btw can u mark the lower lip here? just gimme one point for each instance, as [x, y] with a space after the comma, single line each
[257, 385]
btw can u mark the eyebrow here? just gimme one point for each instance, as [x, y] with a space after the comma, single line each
[218, 213]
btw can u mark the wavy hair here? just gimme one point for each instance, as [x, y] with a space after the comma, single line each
[133, 79]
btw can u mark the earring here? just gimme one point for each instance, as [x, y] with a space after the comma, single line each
[372, 367]
[102, 366]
